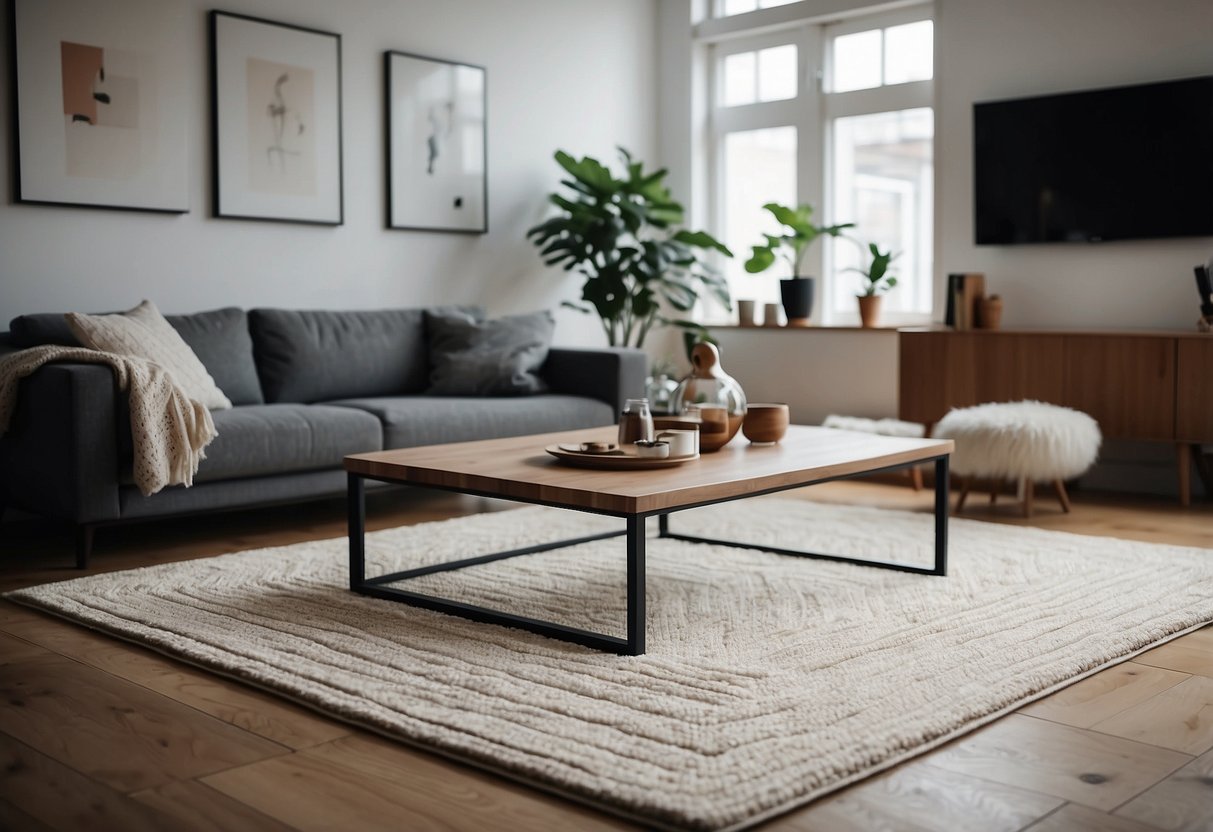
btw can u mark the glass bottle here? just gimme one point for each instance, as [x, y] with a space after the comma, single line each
[635, 423]
[708, 384]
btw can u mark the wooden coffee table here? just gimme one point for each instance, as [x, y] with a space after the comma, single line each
[518, 469]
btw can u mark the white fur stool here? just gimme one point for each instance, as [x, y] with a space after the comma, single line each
[1027, 442]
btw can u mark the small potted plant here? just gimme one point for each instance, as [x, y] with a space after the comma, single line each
[799, 232]
[876, 280]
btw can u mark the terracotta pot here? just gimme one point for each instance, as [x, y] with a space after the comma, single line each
[869, 310]
[765, 422]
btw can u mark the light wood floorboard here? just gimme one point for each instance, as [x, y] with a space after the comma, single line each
[1181, 803]
[109, 735]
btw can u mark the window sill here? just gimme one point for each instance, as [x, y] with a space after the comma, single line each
[878, 329]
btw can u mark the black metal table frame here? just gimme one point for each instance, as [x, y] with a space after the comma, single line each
[633, 645]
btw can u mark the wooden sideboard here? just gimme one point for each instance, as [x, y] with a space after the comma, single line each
[1155, 386]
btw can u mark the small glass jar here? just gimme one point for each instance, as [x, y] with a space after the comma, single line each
[635, 423]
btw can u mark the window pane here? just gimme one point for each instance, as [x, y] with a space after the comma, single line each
[738, 7]
[759, 167]
[740, 79]
[777, 73]
[856, 61]
[883, 184]
[731, 7]
[908, 52]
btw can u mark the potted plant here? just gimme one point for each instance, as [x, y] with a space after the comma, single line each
[876, 280]
[621, 233]
[799, 232]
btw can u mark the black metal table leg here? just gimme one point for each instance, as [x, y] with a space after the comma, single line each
[636, 610]
[941, 515]
[356, 505]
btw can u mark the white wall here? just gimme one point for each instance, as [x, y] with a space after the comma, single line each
[990, 49]
[571, 74]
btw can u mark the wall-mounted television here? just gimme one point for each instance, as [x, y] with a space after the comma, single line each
[1121, 163]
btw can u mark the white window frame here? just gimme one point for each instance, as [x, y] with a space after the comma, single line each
[802, 112]
[886, 98]
[811, 112]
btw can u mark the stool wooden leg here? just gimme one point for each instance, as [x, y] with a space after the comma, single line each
[1062, 496]
[964, 494]
[1029, 489]
[916, 478]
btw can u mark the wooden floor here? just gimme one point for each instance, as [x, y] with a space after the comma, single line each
[97, 734]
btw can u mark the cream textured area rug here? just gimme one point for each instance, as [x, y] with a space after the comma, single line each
[769, 680]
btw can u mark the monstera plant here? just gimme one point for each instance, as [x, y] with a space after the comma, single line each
[623, 234]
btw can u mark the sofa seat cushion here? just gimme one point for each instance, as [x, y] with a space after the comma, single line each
[409, 421]
[263, 439]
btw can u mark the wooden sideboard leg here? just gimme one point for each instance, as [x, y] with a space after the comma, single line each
[1062, 496]
[964, 494]
[1029, 489]
[1183, 459]
[916, 478]
[995, 487]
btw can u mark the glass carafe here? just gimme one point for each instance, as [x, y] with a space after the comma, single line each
[708, 384]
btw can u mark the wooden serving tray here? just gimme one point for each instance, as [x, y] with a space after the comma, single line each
[615, 460]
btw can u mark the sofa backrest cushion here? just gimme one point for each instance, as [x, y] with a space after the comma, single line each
[500, 357]
[220, 338]
[320, 355]
[42, 328]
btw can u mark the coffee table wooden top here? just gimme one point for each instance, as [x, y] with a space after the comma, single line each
[518, 468]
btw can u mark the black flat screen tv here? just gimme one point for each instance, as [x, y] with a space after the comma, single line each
[1111, 164]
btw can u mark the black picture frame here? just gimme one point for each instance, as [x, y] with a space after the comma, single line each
[242, 186]
[47, 144]
[411, 197]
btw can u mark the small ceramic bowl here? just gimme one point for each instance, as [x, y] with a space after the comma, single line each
[653, 450]
[765, 423]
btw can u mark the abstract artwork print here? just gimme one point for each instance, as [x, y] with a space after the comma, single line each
[102, 115]
[436, 144]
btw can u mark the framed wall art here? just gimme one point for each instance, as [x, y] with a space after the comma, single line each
[100, 105]
[437, 156]
[275, 120]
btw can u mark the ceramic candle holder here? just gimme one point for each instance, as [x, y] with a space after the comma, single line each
[765, 422]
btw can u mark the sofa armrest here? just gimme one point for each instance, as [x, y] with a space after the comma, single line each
[59, 457]
[610, 374]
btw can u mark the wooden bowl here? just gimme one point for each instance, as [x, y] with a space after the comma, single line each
[766, 422]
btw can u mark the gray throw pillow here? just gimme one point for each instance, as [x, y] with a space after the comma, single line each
[500, 357]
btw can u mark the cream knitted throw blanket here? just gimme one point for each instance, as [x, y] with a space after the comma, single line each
[169, 430]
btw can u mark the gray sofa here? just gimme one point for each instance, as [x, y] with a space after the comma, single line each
[308, 388]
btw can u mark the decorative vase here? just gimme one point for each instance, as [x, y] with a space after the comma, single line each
[659, 390]
[710, 386]
[989, 312]
[797, 296]
[745, 312]
[869, 310]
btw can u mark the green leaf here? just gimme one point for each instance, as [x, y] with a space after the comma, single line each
[702, 239]
[761, 260]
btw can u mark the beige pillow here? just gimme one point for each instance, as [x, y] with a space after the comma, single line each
[144, 333]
